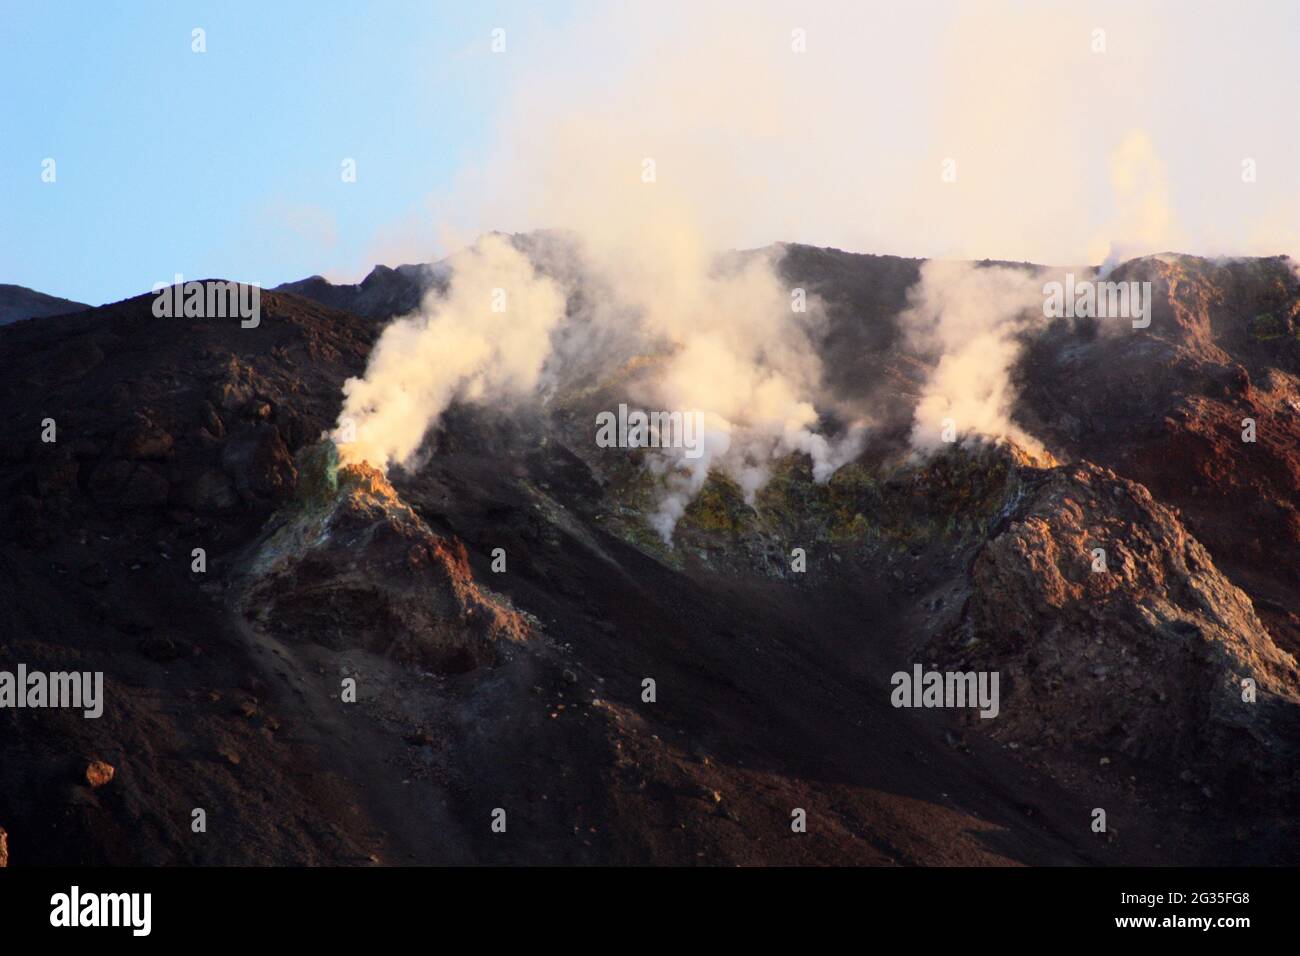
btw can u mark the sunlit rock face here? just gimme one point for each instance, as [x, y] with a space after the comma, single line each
[349, 564]
[1115, 632]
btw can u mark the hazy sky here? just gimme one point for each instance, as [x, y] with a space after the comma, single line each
[228, 163]
[1066, 143]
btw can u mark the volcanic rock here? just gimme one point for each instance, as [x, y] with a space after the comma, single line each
[99, 773]
[209, 490]
[349, 564]
[259, 462]
[1147, 656]
[143, 439]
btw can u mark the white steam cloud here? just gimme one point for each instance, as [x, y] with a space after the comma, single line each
[659, 135]
[969, 319]
[726, 339]
[487, 339]
[739, 353]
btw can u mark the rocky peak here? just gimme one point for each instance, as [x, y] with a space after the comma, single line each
[1116, 633]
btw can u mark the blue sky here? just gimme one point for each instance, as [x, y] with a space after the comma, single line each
[228, 162]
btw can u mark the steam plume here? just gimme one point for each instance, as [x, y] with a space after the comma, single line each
[722, 131]
[969, 319]
[488, 338]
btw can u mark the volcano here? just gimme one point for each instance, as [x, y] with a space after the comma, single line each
[343, 666]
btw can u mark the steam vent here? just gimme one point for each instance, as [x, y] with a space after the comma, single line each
[349, 564]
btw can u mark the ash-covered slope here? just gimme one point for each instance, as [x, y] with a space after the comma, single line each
[499, 611]
[170, 435]
[18, 303]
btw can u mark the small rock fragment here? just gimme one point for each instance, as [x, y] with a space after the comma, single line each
[99, 773]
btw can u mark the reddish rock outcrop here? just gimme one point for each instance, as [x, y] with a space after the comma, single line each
[350, 564]
[1148, 657]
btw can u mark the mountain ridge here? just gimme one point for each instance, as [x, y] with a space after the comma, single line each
[772, 685]
[18, 303]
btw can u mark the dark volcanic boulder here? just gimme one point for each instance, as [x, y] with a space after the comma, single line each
[258, 461]
[129, 486]
[143, 439]
[209, 491]
[55, 471]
